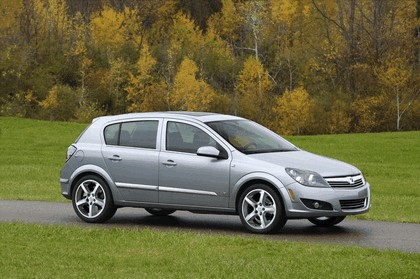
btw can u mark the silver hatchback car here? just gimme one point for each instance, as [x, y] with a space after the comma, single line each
[206, 162]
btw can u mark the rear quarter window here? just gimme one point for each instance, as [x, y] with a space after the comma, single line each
[111, 134]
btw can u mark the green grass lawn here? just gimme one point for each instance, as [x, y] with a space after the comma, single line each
[34, 251]
[33, 153]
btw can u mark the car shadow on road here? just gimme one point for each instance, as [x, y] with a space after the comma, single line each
[219, 224]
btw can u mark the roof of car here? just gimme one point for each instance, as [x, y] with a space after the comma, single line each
[200, 116]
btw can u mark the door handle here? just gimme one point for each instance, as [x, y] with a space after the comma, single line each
[169, 163]
[115, 158]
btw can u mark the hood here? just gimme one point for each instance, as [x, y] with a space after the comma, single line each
[325, 166]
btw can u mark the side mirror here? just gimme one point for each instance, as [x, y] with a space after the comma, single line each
[208, 151]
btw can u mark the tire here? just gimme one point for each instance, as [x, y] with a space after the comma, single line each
[326, 221]
[92, 200]
[159, 211]
[261, 209]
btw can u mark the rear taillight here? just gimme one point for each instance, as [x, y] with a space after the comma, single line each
[70, 151]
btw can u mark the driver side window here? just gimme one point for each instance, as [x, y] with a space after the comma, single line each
[183, 137]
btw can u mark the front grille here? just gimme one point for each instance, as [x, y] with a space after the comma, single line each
[353, 204]
[352, 181]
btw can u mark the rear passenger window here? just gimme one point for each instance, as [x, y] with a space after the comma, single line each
[139, 134]
[135, 134]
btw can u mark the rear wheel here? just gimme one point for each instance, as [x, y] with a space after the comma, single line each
[159, 211]
[92, 200]
[261, 209]
[326, 221]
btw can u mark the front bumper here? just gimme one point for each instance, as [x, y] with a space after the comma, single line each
[340, 199]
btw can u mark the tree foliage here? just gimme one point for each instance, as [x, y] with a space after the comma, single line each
[253, 91]
[145, 92]
[294, 111]
[297, 66]
[189, 92]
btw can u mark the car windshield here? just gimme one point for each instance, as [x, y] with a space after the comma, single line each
[250, 137]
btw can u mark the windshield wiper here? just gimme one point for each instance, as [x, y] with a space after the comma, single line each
[267, 151]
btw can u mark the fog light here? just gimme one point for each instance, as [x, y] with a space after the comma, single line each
[318, 205]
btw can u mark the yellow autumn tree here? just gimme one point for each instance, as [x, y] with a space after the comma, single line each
[163, 14]
[56, 17]
[132, 27]
[51, 101]
[216, 56]
[227, 22]
[9, 10]
[9, 26]
[107, 27]
[186, 37]
[294, 112]
[253, 92]
[115, 80]
[144, 91]
[395, 76]
[339, 118]
[190, 93]
[78, 51]
[60, 103]
[370, 113]
[283, 11]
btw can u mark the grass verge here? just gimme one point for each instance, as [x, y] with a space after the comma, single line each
[35, 251]
[33, 153]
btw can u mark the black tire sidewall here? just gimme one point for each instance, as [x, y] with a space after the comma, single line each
[109, 208]
[280, 218]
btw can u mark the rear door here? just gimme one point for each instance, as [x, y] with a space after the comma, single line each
[131, 155]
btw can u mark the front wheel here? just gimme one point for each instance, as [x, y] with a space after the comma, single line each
[159, 211]
[261, 209]
[326, 221]
[92, 200]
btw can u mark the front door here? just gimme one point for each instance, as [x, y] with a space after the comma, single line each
[186, 178]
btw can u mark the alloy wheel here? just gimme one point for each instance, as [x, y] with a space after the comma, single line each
[90, 198]
[259, 209]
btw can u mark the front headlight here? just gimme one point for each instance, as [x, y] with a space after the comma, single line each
[307, 178]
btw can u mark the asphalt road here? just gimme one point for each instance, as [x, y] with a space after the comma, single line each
[382, 235]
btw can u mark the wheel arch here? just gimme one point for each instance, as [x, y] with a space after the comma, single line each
[93, 170]
[258, 178]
